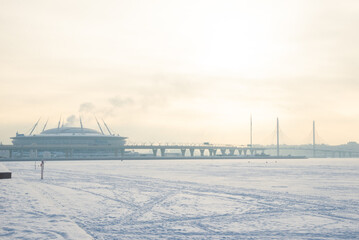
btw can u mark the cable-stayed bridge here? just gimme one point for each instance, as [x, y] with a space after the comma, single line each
[314, 149]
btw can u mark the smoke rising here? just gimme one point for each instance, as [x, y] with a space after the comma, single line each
[70, 121]
[86, 107]
[121, 102]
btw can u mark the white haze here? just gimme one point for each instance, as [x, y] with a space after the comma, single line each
[182, 71]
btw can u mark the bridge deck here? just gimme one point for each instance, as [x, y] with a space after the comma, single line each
[135, 146]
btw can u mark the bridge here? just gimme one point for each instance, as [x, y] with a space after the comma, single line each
[314, 149]
[120, 151]
[333, 152]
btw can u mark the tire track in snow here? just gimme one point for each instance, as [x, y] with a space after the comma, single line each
[198, 189]
[45, 191]
[267, 202]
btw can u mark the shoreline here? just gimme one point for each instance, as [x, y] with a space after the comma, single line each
[150, 158]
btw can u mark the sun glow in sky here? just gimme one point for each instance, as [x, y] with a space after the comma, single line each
[182, 71]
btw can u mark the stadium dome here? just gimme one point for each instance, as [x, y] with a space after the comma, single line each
[69, 136]
[71, 130]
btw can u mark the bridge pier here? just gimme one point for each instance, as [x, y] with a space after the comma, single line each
[245, 152]
[223, 151]
[231, 152]
[202, 152]
[210, 152]
[163, 152]
[252, 151]
[183, 151]
[154, 150]
[191, 150]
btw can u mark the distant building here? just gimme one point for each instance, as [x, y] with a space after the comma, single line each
[68, 142]
[69, 136]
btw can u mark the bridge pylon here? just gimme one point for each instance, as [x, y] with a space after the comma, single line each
[277, 137]
[314, 139]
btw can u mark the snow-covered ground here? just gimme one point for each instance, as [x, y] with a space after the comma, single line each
[182, 199]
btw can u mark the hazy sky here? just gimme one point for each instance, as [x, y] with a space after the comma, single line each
[183, 71]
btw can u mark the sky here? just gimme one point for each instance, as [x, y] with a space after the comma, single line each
[161, 71]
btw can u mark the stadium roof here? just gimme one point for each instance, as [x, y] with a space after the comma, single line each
[71, 130]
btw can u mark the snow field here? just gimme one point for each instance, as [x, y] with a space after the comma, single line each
[182, 199]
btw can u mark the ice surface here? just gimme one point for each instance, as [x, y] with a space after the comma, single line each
[3, 168]
[182, 199]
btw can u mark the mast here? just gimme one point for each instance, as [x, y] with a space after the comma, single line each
[43, 129]
[34, 126]
[82, 128]
[58, 125]
[107, 127]
[277, 137]
[99, 126]
[251, 133]
[313, 138]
